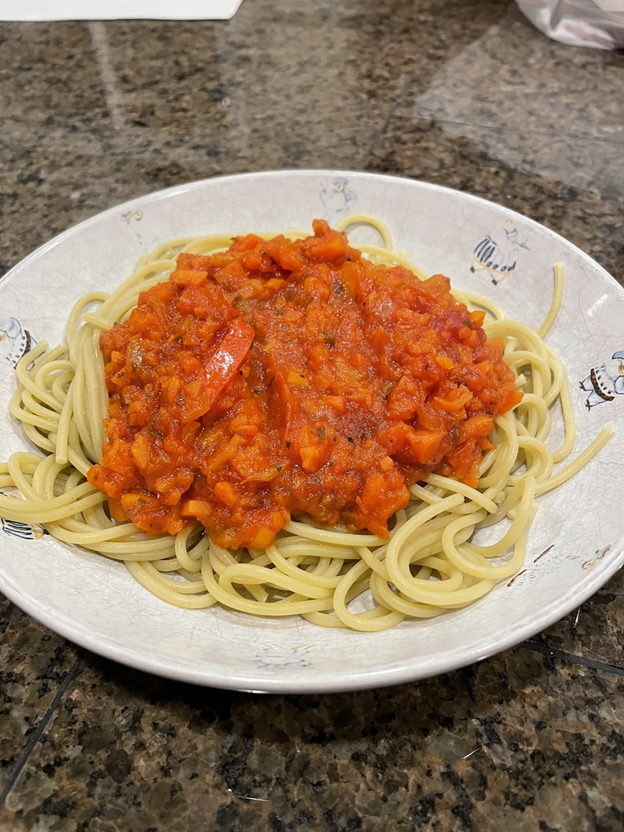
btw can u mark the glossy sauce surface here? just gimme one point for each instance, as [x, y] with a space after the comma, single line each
[287, 378]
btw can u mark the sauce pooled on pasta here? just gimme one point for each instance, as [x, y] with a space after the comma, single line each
[287, 378]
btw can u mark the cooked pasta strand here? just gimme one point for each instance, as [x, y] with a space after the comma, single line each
[429, 564]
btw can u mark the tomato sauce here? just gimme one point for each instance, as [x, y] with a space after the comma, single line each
[287, 378]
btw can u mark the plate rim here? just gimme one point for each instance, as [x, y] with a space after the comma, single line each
[249, 681]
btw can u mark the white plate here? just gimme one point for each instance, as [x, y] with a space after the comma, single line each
[97, 604]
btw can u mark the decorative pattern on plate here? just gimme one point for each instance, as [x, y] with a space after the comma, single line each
[15, 341]
[275, 655]
[604, 382]
[23, 531]
[338, 198]
[498, 257]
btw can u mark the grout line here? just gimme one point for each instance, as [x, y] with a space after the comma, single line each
[39, 730]
[572, 658]
[114, 99]
[379, 134]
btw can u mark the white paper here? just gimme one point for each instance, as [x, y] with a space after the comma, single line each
[118, 9]
[595, 23]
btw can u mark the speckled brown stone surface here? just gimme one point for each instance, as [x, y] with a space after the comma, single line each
[517, 739]
[460, 92]
[34, 664]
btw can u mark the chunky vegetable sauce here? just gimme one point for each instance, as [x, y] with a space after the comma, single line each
[286, 378]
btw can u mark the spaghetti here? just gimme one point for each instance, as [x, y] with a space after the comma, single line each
[429, 564]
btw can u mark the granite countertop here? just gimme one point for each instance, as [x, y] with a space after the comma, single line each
[460, 92]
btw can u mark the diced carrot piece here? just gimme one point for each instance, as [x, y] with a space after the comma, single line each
[469, 336]
[455, 400]
[246, 243]
[140, 451]
[405, 399]
[193, 388]
[227, 453]
[189, 432]
[262, 539]
[337, 402]
[296, 378]
[200, 262]
[118, 457]
[231, 271]
[436, 285]
[130, 500]
[424, 444]
[227, 494]
[188, 277]
[477, 426]
[349, 275]
[462, 457]
[311, 459]
[196, 508]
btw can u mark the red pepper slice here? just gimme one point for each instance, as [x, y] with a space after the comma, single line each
[221, 369]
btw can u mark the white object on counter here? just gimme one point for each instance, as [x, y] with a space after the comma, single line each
[34, 10]
[596, 23]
